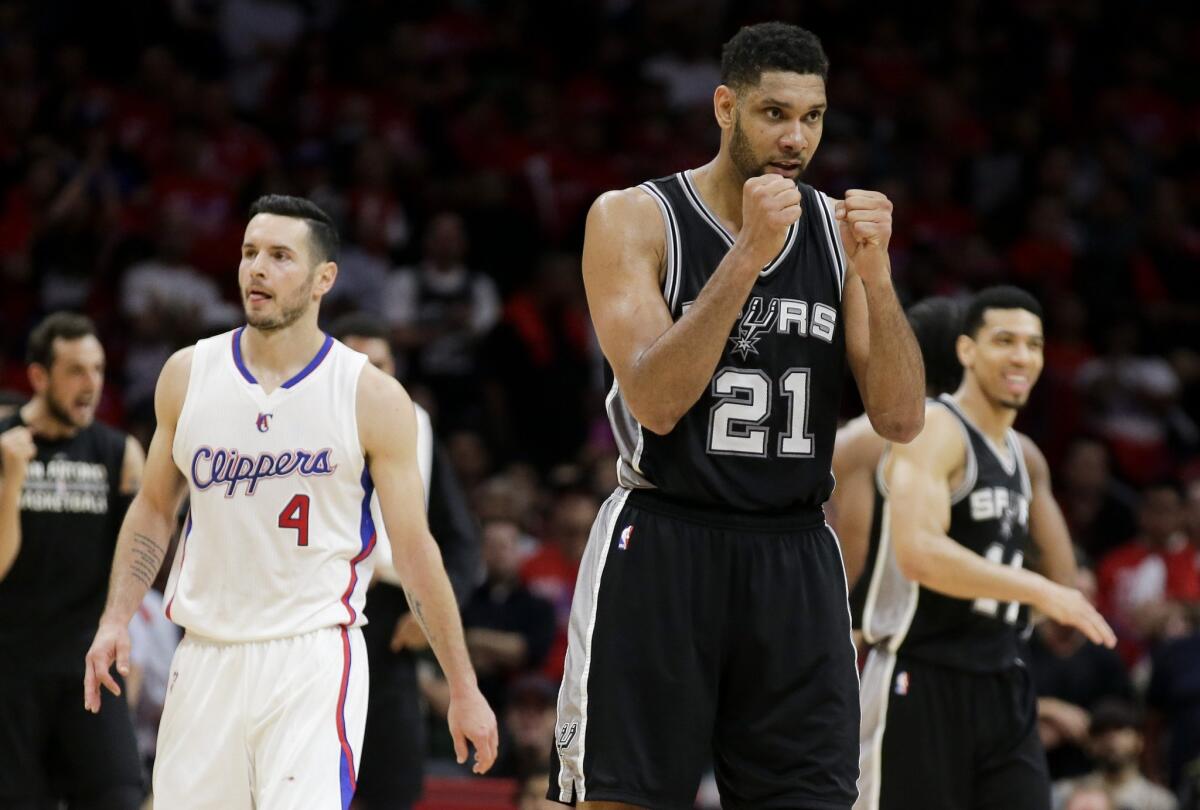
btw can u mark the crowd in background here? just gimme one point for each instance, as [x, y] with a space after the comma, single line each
[1048, 143]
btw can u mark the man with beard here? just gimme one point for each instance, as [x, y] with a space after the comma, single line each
[710, 622]
[949, 707]
[65, 482]
[282, 437]
[1116, 744]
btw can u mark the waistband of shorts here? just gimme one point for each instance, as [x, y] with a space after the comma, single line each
[198, 638]
[792, 520]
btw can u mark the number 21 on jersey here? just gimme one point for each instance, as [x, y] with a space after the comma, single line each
[735, 424]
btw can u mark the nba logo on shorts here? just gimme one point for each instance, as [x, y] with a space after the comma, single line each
[902, 684]
[626, 534]
[264, 422]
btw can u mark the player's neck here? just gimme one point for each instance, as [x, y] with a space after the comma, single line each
[720, 186]
[44, 424]
[276, 356]
[994, 420]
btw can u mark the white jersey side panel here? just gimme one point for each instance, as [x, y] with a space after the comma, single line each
[280, 531]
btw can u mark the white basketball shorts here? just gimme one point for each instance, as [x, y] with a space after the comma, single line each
[266, 725]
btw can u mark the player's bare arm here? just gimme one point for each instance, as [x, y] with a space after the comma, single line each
[144, 537]
[920, 476]
[387, 428]
[663, 366]
[1047, 526]
[856, 452]
[16, 451]
[133, 465]
[880, 346]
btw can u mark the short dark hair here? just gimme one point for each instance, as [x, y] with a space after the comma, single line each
[65, 325]
[1001, 296]
[771, 46]
[323, 234]
[937, 323]
[1113, 714]
[358, 324]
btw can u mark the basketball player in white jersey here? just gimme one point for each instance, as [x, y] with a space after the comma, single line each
[280, 435]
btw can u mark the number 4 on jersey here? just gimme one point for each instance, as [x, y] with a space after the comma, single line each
[295, 516]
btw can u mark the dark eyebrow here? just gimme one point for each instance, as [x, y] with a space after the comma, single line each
[271, 247]
[774, 102]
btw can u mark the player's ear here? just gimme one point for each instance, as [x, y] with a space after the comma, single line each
[965, 349]
[39, 377]
[725, 106]
[326, 275]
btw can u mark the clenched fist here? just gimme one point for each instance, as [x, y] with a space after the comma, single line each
[865, 219]
[770, 205]
[16, 450]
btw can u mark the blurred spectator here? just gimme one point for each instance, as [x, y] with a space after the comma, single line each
[1157, 565]
[540, 362]
[508, 629]
[551, 572]
[1088, 796]
[1072, 677]
[1133, 401]
[1100, 511]
[440, 310]
[528, 729]
[1115, 742]
[1174, 693]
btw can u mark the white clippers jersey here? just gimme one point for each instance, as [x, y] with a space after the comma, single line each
[281, 525]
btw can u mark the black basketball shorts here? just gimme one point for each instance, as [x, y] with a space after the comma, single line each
[700, 636]
[938, 738]
[51, 748]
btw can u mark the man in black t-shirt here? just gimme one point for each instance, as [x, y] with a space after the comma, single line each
[65, 481]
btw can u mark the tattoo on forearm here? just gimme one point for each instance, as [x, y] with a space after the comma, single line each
[415, 605]
[146, 559]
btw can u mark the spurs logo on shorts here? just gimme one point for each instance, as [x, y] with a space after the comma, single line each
[567, 734]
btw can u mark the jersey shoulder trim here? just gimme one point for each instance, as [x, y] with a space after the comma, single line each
[833, 239]
[673, 242]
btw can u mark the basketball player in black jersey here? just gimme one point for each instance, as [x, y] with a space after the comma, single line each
[949, 709]
[854, 505]
[64, 486]
[710, 620]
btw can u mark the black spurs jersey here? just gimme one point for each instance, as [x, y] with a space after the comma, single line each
[761, 437]
[989, 514]
[52, 598]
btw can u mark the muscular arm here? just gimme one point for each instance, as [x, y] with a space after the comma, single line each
[11, 484]
[144, 537]
[880, 345]
[663, 366]
[387, 428]
[132, 467]
[1047, 526]
[919, 475]
[856, 452]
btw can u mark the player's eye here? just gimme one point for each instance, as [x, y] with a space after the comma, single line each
[774, 113]
[279, 255]
[815, 116]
